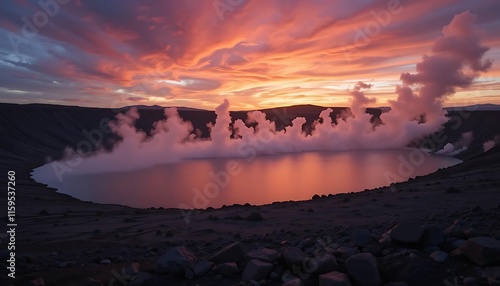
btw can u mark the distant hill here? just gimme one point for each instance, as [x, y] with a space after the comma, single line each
[476, 107]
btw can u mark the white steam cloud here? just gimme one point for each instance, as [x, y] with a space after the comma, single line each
[455, 62]
[452, 149]
[488, 145]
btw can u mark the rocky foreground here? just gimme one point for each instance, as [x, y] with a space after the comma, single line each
[464, 252]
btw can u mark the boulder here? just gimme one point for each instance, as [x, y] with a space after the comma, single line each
[264, 254]
[231, 253]
[454, 231]
[482, 250]
[334, 278]
[347, 252]
[256, 270]
[439, 256]
[407, 232]
[175, 260]
[326, 263]
[363, 269]
[227, 269]
[293, 256]
[202, 267]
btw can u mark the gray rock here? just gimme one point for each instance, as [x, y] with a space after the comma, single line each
[326, 263]
[231, 253]
[482, 250]
[105, 261]
[293, 256]
[363, 269]
[347, 251]
[227, 269]
[334, 279]
[264, 254]
[256, 270]
[454, 231]
[287, 276]
[362, 237]
[202, 267]
[175, 260]
[439, 256]
[470, 281]
[407, 232]
[433, 235]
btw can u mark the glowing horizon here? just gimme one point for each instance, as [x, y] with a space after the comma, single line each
[259, 55]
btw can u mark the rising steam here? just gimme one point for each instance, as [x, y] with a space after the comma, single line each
[456, 60]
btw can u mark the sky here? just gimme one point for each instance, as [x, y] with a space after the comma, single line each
[257, 54]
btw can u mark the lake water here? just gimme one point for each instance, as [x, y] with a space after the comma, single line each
[261, 180]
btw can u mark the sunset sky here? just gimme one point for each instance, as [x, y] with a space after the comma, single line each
[257, 54]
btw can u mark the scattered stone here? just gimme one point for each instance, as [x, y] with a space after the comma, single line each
[202, 267]
[454, 231]
[175, 260]
[439, 256]
[407, 232]
[413, 255]
[293, 256]
[482, 250]
[363, 269]
[231, 253]
[433, 235]
[264, 254]
[256, 270]
[326, 263]
[362, 237]
[105, 261]
[227, 269]
[347, 252]
[334, 279]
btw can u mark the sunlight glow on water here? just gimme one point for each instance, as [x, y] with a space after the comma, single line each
[262, 180]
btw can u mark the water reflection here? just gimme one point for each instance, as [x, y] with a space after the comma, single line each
[201, 183]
